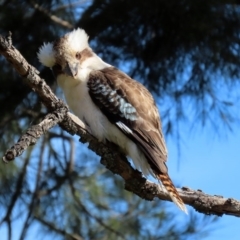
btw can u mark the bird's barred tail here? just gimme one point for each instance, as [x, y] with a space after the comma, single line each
[167, 183]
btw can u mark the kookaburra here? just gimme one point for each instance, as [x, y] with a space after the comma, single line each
[113, 106]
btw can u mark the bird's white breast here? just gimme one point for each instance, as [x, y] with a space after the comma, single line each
[81, 104]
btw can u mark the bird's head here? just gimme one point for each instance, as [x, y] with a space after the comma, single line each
[69, 54]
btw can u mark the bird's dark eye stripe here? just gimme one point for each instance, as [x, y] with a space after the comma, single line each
[57, 67]
[78, 55]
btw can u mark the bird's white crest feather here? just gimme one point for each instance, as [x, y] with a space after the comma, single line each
[77, 39]
[63, 51]
[46, 55]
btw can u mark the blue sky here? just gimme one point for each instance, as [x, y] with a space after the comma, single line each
[211, 164]
[207, 163]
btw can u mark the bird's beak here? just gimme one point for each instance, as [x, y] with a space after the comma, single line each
[71, 69]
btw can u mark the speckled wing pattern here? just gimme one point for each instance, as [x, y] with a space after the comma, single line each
[130, 106]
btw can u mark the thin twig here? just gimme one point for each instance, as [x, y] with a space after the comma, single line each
[16, 194]
[54, 18]
[9, 224]
[34, 195]
[70, 5]
[99, 220]
[33, 134]
[57, 230]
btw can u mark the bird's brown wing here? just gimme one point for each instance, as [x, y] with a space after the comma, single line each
[129, 105]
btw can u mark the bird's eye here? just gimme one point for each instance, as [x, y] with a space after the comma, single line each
[78, 55]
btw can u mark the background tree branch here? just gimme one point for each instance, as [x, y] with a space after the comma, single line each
[111, 157]
[53, 17]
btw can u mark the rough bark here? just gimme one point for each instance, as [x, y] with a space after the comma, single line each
[110, 155]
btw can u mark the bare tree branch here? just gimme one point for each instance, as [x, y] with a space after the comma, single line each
[29, 218]
[57, 230]
[20, 181]
[70, 5]
[34, 133]
[9, 224]
[99, 220]
[54, 18]
[111, 157]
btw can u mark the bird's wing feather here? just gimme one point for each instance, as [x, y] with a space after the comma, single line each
[129, 105]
